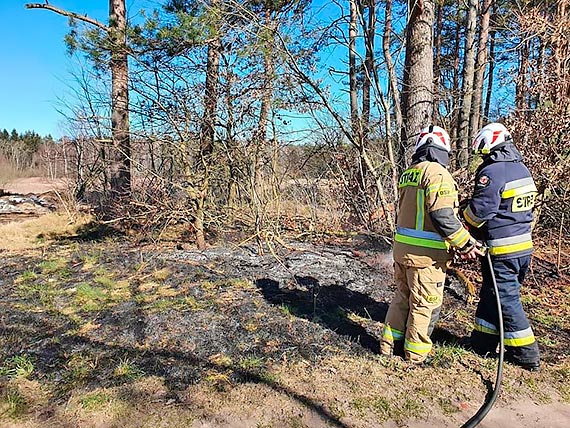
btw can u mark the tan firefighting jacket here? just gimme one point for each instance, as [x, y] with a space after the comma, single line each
[427, 223]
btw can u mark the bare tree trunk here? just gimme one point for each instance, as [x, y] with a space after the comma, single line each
[455, 85]
[352, 32]
[392, 138]
[260, 138]
[490, 79]
[121, 158]
[522, 81]
[207, 131]
[478, 82]
[437, 63]
[417, 88]
[369, 33]
[467, 86]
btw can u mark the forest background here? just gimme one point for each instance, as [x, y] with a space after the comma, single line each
[268, 116]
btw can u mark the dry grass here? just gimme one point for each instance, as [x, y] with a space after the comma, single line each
[37, 232]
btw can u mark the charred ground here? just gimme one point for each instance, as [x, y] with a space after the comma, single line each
[110, 332]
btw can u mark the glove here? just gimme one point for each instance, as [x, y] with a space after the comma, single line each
[469, 245]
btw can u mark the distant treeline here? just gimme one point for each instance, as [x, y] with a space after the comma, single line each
[22, 151]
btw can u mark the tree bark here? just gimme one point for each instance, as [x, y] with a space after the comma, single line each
[478, 82]
[392, 136]
[352, 32]
[369, 34]
[463, 131]
[121, 157]
[490, 79]
[207, 133]
[417, 88]
[456, 73]
[437, 62]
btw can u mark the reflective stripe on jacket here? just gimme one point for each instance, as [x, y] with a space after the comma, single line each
[427, 222]
[502, 203]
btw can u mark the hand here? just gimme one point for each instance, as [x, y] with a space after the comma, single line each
[473, 253]
[472, 249]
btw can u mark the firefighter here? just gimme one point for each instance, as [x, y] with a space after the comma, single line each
[501, 210]
[427, 229]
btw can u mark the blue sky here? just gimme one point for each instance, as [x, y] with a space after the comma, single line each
[36, 70]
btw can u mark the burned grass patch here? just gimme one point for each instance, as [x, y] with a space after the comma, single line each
[131, 332]
[333, 307]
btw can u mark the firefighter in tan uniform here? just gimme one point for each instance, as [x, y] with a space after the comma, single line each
[427, 230]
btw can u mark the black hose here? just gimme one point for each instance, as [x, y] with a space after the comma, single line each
[488, 404]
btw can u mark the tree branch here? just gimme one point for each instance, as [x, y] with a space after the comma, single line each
[73, 15]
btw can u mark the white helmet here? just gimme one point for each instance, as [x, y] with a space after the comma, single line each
[435, 135]
[489, 138]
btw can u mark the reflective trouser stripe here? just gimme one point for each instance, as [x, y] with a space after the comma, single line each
[417, 347]
[512, 338]
[392, 333]
[519, 338]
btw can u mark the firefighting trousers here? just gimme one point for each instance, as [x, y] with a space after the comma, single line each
[520, 344]
[414, 310]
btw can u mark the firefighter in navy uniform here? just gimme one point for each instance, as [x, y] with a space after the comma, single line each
[428, 228]
[501, 210]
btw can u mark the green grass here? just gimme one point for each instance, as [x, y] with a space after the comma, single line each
[251, 363]
[91, 260]
[447, 406]
[55, 266]
[379, 405]
[26, 277]
[45, 293]
[105, 280]
[446, 354]
[127, 370]
[94, 401]
[14, 404]
[90, 298]
[18, 366]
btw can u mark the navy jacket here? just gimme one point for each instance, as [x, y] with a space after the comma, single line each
[502, 203]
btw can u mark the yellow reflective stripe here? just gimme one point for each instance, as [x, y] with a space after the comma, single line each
[484, 329]
[512, 248]
[446, 189]
[472, 219]
[459, 238]
[421, 242]
[519, 341]
[420, 209]
[392, 333]
[417, 347]
[511, 193]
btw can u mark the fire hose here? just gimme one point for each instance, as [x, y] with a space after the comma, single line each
[490, 401]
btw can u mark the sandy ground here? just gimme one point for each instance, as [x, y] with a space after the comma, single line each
[36, 185]
[526, 414]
